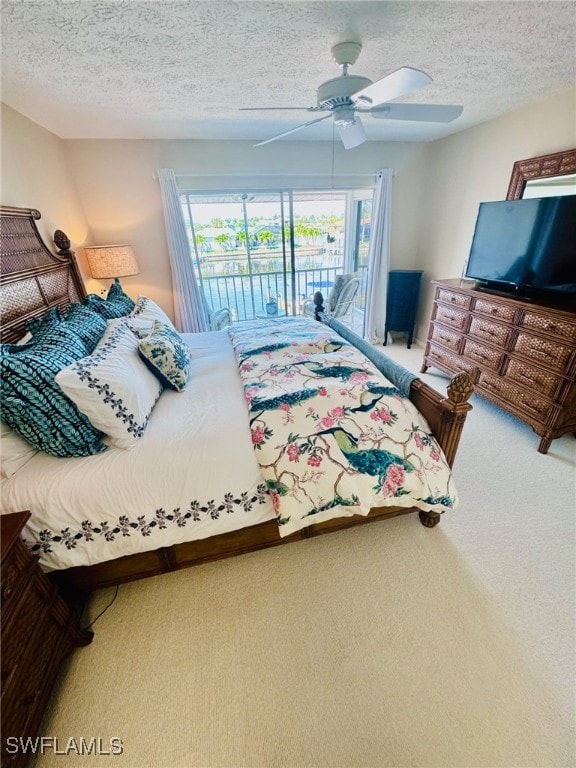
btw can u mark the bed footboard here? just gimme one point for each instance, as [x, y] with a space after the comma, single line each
[445, 415]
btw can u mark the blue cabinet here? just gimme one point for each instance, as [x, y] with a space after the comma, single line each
[402, 301]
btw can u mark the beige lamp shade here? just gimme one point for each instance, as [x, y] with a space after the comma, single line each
[110, 261]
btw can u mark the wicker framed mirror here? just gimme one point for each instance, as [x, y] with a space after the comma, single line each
[525, 172]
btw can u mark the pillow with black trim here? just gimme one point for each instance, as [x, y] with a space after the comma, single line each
[167, 355]
[112, 386]
[116, 304]
[145, 313]
[34, 406]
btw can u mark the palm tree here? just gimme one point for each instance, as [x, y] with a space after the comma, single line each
[200, 241]
[266, 237]
[241, 237]
[222, 240]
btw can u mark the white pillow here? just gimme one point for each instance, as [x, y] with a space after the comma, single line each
[112, 386]
[144, 314]
[14, 451]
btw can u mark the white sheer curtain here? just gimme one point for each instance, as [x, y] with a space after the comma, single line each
[378, 258]
[188, 305]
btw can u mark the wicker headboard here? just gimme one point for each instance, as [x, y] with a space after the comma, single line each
[32, 278]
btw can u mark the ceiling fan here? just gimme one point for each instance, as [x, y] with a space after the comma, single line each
[346, 97]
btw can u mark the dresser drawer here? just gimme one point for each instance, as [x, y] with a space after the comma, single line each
[26, 690]
[15, 570]
[451, 316]
[493, 332]
[495, 310]
[528, 404]
[447, 359]
[484, 356]
[447, 338]
[455, 299]
[548, 353]
[562, 329]
[540, 380]
[21, 629]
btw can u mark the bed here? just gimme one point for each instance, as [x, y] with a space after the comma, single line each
[198, 485]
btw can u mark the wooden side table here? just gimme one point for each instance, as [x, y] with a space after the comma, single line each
[402, 302]
[38, 630]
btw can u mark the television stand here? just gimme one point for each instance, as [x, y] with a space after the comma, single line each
[525, 353]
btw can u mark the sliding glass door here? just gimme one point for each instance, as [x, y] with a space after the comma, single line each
[263, 253]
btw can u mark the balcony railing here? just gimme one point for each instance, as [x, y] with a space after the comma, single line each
[247, 295]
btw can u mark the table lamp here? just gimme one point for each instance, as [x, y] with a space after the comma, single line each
[111, 261]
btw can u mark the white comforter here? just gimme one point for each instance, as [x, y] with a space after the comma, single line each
[166, 490]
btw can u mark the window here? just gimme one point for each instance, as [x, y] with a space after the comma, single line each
[263, 253]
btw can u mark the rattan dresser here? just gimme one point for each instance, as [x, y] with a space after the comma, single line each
[525, 353]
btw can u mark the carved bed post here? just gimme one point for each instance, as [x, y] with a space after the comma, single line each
[318, 305]
[62, 242]
[454, 410]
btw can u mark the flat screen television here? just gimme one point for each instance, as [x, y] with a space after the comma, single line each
[526, 247]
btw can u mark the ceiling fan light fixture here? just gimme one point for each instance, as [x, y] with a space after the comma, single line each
[344, 116]
[352, 134]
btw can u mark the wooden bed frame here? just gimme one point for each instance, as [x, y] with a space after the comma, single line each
[33, 280]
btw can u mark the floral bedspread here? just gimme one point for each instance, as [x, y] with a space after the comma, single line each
[332, 436]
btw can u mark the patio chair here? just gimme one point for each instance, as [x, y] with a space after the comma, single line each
[340, 301]
[217, 319]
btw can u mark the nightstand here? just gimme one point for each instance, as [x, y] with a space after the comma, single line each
[402, 301]
[38, 630]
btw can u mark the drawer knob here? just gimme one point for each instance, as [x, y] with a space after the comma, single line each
[530, 378]
[539, 351]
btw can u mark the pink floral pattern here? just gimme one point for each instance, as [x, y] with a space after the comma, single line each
[332, 436]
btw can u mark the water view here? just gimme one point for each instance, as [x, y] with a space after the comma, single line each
[265, 253]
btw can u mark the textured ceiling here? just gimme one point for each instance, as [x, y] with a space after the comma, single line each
[179, 69]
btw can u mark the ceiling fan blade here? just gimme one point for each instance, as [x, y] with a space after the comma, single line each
[427, 113]
[281, 109]
[398, 83]
[352, 134]
[293, 130]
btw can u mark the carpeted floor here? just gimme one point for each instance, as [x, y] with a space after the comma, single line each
[386, 645]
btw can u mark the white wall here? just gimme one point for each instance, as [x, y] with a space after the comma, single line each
[35, 174]
[101, 192]
[474, 166]
[123, 204]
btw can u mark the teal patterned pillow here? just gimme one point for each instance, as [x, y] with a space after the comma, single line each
[167, 355]
[106, 309]
[116, 304]
[117, 296]
[88, 325]
[34, 406]
[45, 323]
